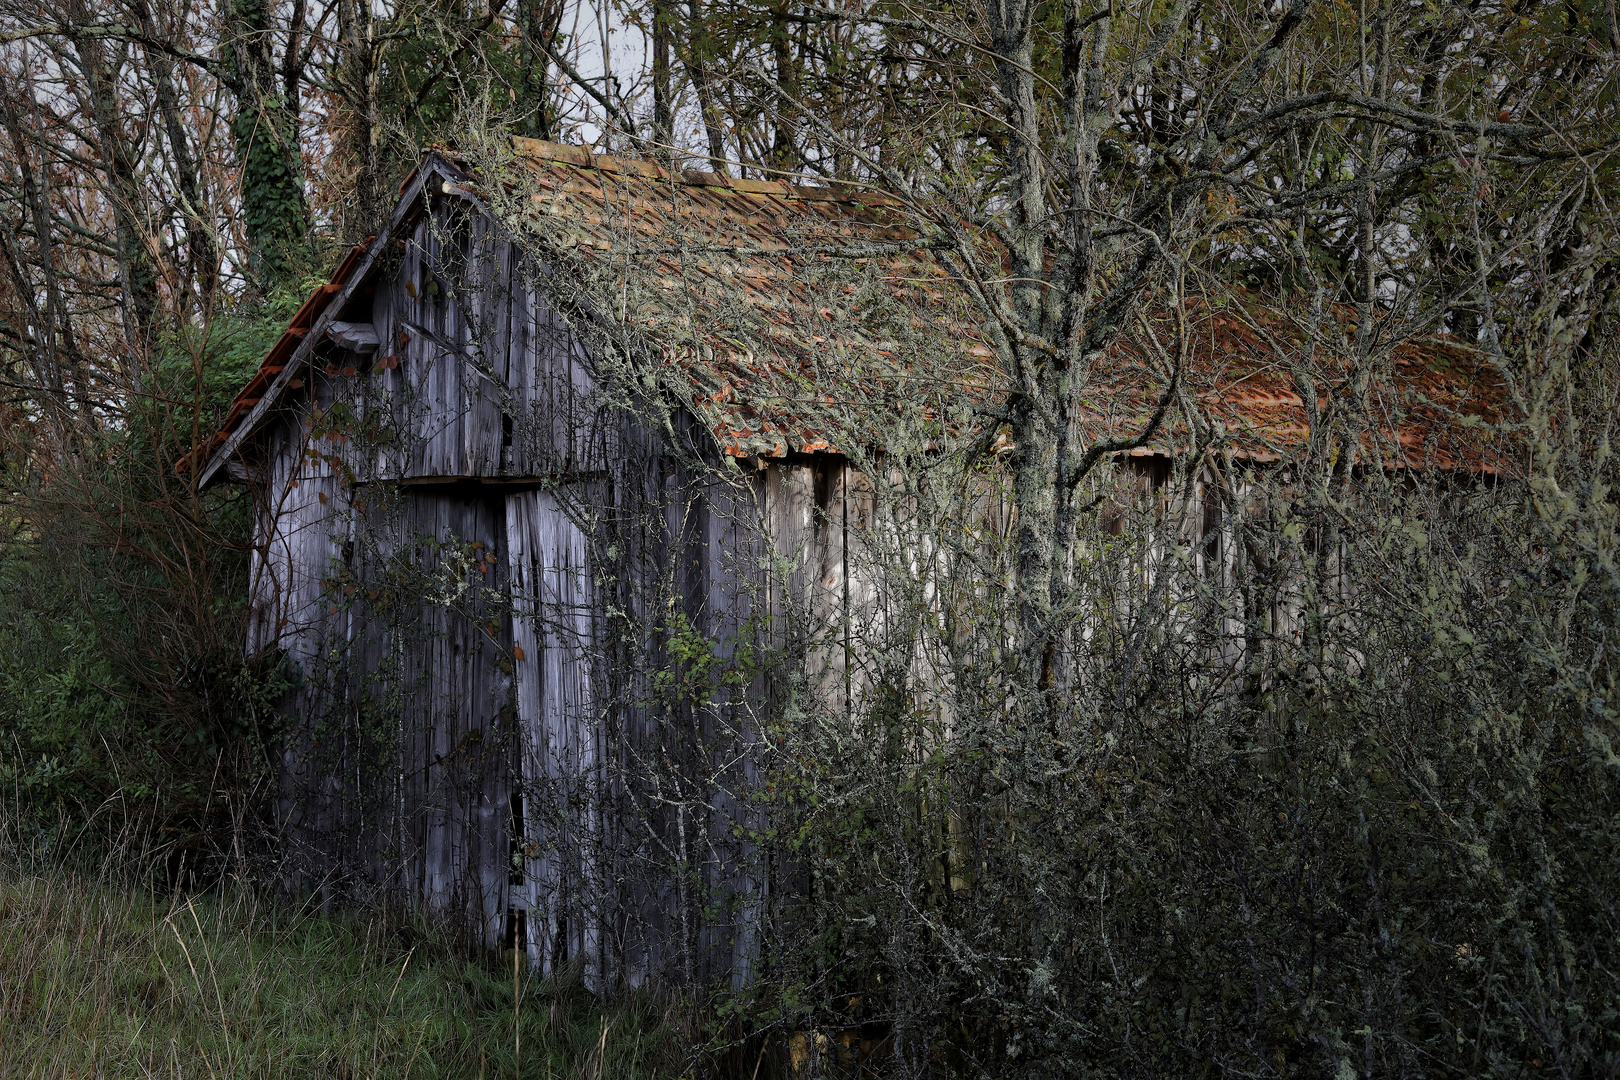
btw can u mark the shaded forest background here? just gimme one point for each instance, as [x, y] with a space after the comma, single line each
[1387, 845]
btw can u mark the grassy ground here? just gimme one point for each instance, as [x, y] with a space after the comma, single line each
[103, 980]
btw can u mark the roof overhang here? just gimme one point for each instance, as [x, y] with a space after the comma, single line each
[268, 389]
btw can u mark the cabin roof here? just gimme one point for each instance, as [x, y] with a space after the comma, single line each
[781, 313]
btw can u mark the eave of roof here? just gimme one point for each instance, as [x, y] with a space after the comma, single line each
[278, 371]
[760, 397]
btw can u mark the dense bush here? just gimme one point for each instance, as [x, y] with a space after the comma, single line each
[122, 599]
[1378, 836]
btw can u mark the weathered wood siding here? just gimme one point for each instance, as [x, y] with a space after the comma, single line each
[560, 876]
[489, 382]
[390, 613]
[476, 736]
[484, 577]
[457, 725]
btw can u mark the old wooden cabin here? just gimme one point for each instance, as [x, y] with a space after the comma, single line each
[560, 413]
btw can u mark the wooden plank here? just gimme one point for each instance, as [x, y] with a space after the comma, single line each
[564, 785]
[632, 868]
[732, 543]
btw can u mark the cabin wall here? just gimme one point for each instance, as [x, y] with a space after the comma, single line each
[390, 615]
[438, 537]
[491, 587]
[537, 790]
[484, 380]
[861, 581]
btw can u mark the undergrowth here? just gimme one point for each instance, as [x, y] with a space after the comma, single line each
[103, 977]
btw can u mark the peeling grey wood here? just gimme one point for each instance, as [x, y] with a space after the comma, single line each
[500, 749]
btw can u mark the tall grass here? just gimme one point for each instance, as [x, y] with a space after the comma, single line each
[101, 977]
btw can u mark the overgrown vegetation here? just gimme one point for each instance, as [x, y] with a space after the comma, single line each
[1389, 850]
[123, 601]
[100, 976]
[1294, 759]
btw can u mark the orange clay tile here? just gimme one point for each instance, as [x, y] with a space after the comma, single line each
[752, 325]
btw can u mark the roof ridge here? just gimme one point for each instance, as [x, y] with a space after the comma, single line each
[583, 158]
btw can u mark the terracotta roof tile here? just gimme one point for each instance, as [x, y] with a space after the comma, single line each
[772, 374]
[764, 390]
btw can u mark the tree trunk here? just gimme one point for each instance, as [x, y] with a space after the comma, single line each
[119, 153]
[265, 130]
